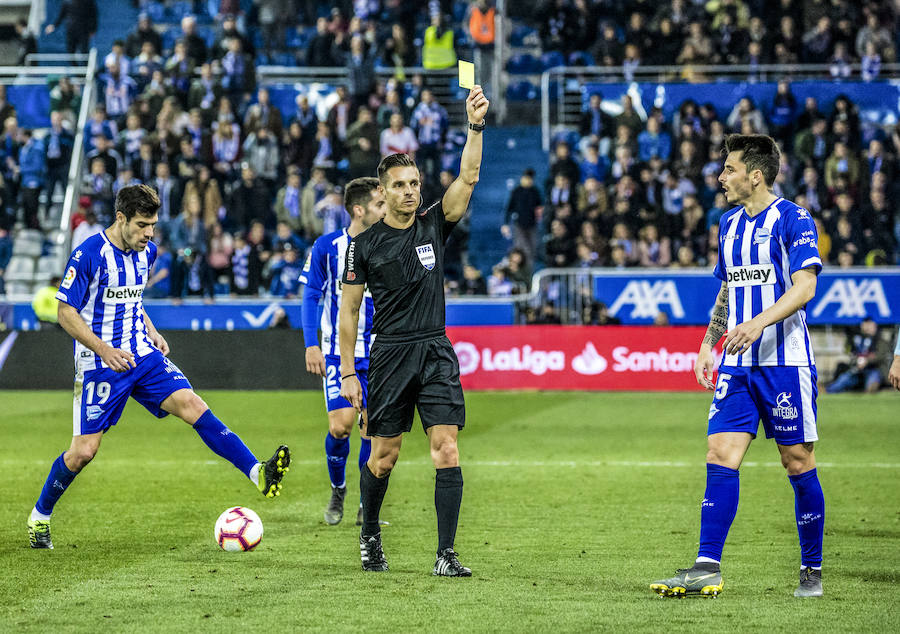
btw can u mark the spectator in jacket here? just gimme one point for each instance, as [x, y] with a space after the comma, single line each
[32, 176]
[80, 18]
[287, 201]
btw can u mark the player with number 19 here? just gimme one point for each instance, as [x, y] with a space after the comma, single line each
[119, 353]
[768, 263]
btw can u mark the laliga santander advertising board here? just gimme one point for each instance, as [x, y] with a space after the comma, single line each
[577, 357]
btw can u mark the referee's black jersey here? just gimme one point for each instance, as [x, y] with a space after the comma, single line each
[404, 269]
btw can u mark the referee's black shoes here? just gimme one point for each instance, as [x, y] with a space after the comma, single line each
[447, 565]
[371, 553]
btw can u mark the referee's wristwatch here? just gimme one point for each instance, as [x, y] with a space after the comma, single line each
[476, 127]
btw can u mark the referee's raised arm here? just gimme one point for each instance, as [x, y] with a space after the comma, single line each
[456, 198]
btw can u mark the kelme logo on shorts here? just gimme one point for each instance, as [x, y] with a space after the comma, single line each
[751, 275]
[123, 294]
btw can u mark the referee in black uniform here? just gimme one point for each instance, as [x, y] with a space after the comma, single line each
[412, 363]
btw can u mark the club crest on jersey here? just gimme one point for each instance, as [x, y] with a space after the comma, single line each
[426, 255]
[761, 235]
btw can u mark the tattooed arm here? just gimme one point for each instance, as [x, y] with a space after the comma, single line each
[718, 324]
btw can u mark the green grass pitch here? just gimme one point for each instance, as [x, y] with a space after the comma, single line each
[573, 504]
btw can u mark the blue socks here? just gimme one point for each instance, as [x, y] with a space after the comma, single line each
[809, 507]
[57, 482]
[719, 508]
[365, 448]
[336, 451]
[225, 442]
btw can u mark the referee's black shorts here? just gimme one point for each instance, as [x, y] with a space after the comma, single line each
[404, 376]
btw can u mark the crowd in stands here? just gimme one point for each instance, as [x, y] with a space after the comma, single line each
[628, 191]
[653, 199]
[631, 33]
[246, 189]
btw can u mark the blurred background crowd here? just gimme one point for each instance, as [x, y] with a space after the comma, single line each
[247, 185]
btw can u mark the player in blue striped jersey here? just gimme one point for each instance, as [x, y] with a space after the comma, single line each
[118, 353]
[768, 263]
[321, 276]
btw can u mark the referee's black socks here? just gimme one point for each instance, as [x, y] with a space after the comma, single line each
[371, 490]
[448, 488]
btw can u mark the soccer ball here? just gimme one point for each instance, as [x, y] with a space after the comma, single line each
[238, 529]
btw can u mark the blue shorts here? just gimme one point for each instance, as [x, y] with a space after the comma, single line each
[100, 395]
[783, 397]
[332, 382]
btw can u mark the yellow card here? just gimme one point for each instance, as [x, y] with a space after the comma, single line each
[466, 74]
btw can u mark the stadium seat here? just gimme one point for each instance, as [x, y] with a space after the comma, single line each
[18, 288]
[520, 33]
[522, 91]
[257, 38]
[552, 59]
[20, 269]
[581, 58]
[523, 64]
[570, 137]
[156, 11]
[47, 267]
[459, 11]
[284, 59]
[180, 9]
[293, 37]
[208, 34]
[28, 243]
[170, 36]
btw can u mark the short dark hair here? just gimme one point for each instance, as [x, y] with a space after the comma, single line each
[758, 152]
[359, 192]
[137, 199]
[393, 160]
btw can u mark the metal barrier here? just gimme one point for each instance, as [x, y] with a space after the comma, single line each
[36, 59]
[562, 94]
[570, 290]
[73, 188]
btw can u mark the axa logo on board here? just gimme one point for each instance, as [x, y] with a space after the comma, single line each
[588, 363]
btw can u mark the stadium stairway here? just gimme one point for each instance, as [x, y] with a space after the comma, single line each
[116, 19]
[508, 151]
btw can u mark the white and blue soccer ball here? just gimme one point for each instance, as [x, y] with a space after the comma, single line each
[238, 529]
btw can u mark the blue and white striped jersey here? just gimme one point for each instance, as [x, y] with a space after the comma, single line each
[321, 276]
[757, 257]
[106, 286]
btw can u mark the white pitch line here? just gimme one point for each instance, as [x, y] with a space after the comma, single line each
[573, 464]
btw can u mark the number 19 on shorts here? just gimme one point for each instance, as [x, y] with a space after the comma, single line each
[101, 392]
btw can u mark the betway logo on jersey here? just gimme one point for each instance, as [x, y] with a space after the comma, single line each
[751, 275]
[123, 294]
